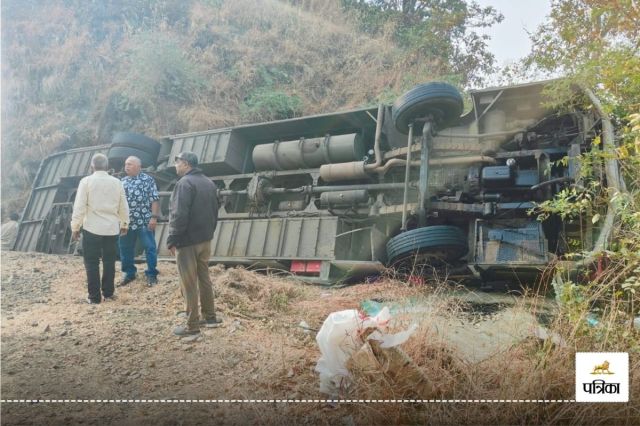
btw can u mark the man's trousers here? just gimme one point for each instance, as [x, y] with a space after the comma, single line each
[193, 267]
[95, 247]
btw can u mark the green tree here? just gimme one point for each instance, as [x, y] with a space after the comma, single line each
[595, 45]
[439, 31]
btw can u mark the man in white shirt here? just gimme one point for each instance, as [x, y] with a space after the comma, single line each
[10, 232]
[101, 210]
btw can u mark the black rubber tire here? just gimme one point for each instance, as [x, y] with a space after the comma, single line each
[118, 154]
[441, 100]
[444, 239]
[138, 141]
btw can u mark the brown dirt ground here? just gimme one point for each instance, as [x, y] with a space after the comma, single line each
[55, 346]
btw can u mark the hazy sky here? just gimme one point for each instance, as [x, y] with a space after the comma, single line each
[509, 39]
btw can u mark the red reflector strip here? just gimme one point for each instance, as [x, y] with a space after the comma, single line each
[314, 266]
[298, 266]
[308, 267]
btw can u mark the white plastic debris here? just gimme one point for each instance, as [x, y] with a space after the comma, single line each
[341, 336]
[391, 340]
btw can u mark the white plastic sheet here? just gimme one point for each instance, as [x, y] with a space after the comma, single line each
[341, 336]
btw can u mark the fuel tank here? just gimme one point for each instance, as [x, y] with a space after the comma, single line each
[308, 153]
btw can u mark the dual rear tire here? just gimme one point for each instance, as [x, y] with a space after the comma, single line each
[435, 245]
[126, 144]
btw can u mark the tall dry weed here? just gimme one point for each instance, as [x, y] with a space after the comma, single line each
[540, 371]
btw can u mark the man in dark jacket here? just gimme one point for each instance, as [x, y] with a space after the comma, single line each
[192, 221]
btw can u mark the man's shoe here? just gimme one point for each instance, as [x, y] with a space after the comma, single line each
[151, 281]
[91, 302]
[182, 331]
[126, 280]
[211, 323]
[110, 298]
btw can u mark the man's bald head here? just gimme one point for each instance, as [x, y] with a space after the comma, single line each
[132, 166]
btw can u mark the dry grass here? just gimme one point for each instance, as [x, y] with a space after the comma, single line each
[250, 294]
[530, 369]
[261, 353]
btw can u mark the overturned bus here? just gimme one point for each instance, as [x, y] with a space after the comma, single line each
[347, 194]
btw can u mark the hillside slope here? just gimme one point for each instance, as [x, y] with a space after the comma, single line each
[75, 71]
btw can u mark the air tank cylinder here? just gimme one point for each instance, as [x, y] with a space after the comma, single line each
[354, 170]
[308, 153]
[344, 198]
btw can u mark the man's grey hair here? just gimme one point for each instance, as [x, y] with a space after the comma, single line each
[100, 162]
[136, 159]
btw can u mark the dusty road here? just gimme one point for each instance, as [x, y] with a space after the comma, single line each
[55, 346]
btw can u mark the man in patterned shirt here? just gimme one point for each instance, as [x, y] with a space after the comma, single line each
[142, 197]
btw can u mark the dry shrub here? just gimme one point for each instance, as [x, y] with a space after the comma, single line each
[445, 371]
[197, 118]
[530, 369]
[388, 288]
[430, 369]
[321, 56]
[254, 294]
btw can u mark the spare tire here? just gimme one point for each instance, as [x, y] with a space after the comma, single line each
[137, 141]
[443, 243]
[440, 100]
[118, 154]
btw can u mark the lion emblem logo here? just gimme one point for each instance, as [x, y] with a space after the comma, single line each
[602, 368]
